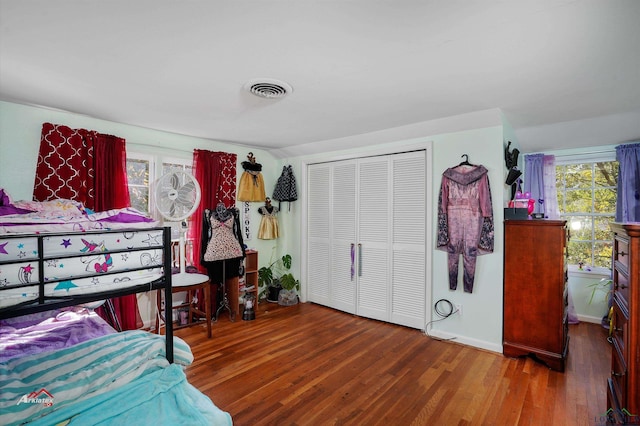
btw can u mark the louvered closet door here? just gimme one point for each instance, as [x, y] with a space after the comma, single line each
[318, 241]
[408, 277]
[371, 210]
[343, 236]
[374, 272]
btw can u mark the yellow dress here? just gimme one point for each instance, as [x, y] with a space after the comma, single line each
[251, 187]
[268, 224]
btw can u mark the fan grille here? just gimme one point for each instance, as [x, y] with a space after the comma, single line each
[177, 195]
[268, 88]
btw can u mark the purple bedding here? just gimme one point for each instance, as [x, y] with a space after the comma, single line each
[47, 331]
[61, 215]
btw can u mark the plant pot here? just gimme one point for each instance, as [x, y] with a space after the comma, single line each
[287, 297]
[272, 294]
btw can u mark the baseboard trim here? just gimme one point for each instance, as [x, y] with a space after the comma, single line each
[591, 319]
[468, 341]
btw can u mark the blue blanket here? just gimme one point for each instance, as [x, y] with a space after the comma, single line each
[160, 398]
[105, 381]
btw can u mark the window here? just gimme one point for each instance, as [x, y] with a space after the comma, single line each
[587, 201]
[138, 175]
[176, 165]
[142, 171]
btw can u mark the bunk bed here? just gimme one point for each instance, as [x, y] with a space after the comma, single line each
[53, 268]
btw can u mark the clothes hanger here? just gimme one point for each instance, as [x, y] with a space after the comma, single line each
[466, 160]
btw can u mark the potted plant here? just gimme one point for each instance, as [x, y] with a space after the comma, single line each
[273, 279]
[604, 286]
[289, 294]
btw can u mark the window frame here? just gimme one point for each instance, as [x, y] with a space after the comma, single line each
[138, 156]
[156, 164]
[586, 158]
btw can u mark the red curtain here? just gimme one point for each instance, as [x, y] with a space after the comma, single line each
[65, 165]
[89, 167]
[110, 164]
[216, 174]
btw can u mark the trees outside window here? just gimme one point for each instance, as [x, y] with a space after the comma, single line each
[587, 201]
[138, 175]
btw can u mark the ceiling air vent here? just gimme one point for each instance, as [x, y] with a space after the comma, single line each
[268, 88]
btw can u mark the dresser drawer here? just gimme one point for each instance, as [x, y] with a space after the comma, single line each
[614, 412]
[619, 329]
[619, 373]
[621, 252]
[621, 288]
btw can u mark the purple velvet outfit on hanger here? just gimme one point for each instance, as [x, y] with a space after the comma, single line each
[465, 220]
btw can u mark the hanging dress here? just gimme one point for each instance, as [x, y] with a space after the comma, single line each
[285, 189]
[223, 244]
[251, 187]
[268, 224]
[219, 270]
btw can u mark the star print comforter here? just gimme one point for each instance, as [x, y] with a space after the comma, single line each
[77, 263]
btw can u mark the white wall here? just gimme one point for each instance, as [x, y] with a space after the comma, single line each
[580, 284]
[481, 321]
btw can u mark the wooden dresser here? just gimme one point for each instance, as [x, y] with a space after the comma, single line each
[535, 291]
[623, 397]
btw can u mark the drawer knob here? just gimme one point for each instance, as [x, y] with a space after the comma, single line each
[621, 253]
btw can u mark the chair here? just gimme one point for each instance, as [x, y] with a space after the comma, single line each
[192, 309]
[189, 283]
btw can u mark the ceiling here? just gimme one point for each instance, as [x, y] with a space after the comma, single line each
[355, 66]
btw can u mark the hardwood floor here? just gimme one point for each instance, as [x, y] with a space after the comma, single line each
[311, 365]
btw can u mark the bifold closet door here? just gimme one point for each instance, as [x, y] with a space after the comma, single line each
[343, 271]
[318, 233]
[409, 202]
[332, 235]
[374, 235]
[366, 237]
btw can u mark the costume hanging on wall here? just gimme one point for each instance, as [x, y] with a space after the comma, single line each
[285, 189]
[251, 186]
[223, 247]
[269, 223]
[465, 220]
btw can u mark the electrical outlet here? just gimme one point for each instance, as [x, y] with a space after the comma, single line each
[458, 310]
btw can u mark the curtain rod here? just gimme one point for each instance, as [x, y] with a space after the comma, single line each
[575, 154]
[606, 151]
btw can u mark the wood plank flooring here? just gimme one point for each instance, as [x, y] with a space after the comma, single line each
[311, 365]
